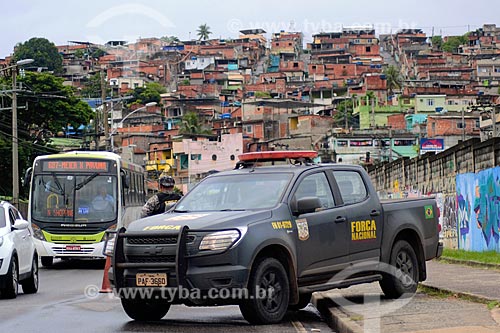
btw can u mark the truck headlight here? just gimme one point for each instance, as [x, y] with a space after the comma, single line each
[37, 232]
[220, 240]
[109, 241]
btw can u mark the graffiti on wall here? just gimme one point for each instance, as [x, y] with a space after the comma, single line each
[478, 201]
[448, 219]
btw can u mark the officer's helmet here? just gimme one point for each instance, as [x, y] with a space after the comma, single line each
[166, 181]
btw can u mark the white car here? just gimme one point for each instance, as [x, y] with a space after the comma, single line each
[18, 257]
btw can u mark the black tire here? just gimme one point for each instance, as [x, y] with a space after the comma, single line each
[269, 293]
[12, 281]
[142, 310]
[47, 261]
[30, 285]
[404, 278]
[304, 300]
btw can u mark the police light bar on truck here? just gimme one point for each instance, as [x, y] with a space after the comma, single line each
[298, 156]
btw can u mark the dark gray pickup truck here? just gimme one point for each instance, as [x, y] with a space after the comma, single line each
[266, 237]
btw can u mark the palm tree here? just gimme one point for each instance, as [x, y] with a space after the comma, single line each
[191, 125]
[393, 78]
[170, 39]
[203, 32]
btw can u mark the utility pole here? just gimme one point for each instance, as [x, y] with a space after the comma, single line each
[463, 125]
[494, 120]
[104, 108]
[372, 117]
[15, 156]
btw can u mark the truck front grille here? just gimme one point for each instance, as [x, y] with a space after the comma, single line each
[147, 259]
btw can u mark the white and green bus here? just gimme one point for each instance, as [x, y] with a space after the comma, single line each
[76, 196]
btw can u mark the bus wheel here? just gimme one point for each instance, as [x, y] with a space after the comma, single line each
[47, 261]
[142, 310]
[269, 293]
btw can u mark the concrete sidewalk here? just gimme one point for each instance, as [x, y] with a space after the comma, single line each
[364, 309]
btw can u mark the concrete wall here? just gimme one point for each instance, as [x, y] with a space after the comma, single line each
[465, 183]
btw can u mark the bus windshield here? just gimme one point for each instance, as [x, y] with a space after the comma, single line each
[76, 198]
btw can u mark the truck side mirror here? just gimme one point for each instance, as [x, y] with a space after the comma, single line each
[306, 205]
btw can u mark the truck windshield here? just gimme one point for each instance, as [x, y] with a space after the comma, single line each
[67, 198]
[236, 192]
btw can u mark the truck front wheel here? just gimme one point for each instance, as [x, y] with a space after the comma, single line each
[142, 310]
[403, 278]
[269, 293]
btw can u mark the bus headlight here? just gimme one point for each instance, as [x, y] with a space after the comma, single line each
[37, 232]
[220, 240]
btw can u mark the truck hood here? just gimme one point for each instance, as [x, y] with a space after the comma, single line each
[199, 220]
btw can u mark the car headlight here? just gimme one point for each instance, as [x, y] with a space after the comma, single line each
[220, 240]
[109, 241]
[37, 232]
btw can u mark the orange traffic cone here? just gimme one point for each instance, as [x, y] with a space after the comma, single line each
[106, 285]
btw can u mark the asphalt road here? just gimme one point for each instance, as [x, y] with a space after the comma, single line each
[62, 306]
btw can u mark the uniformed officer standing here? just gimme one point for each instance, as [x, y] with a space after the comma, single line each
[157, 203]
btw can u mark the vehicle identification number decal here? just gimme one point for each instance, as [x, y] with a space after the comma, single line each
[363, 230]
[282, 225]
[302, 229]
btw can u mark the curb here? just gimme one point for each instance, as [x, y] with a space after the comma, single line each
[334, 317]
[464, 295]
[478, 264]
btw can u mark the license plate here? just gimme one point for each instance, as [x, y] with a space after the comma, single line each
[73, 247]
[151, 279]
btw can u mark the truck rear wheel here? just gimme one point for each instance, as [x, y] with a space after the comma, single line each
[142, 310]
[404, 279]
[269, 293]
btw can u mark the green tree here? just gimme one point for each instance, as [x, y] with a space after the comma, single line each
[453, 42]
[42, 51]
[170, 39]
[51, 106]
[203, 32]
[92, 87]
[150, 93]
[437, 41]
[191, 125]
[393, 78]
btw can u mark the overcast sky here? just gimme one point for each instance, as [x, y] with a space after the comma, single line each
[99, 21]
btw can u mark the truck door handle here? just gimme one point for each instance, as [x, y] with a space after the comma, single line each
[375, 213]
[340, 219]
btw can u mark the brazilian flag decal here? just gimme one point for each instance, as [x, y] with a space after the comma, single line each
[429, 212]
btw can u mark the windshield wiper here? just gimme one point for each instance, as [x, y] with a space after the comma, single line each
[86, 181]
[232, 210]
[59, 186]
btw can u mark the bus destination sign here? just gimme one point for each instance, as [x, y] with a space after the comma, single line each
[75, 166]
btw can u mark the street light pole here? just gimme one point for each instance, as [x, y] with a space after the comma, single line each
[15, 145]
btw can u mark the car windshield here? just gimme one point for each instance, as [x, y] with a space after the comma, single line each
[66, 198]
[236, 192]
